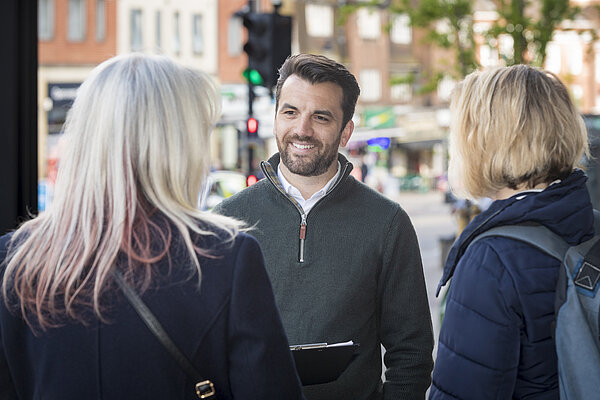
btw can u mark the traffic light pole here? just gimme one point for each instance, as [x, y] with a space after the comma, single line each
[267, 47]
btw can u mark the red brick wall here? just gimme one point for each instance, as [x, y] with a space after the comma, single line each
[59, 50]
[230, 68]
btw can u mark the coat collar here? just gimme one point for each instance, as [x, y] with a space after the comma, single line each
[565, 208]
[269, 167]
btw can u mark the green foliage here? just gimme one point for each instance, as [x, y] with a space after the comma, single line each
[402, 79]
[530, 34]
[530, 24]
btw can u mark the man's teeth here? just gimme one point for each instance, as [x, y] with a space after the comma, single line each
[303, 146]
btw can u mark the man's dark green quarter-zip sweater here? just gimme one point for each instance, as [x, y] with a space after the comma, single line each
[349, 270]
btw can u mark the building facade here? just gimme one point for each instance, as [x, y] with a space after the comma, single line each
[74, 36]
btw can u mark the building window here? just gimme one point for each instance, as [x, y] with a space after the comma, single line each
[370, 83]
[488, 56]
[158, 29]
[575, 57]
[176, 34]
[100, 20]
[401, 32]
[46, 19]
[577, 92]
[234, 36]
[198, 37]
[76, 27]
[597, 68]
[319, 20]
[552, 62]
[369, 23]
[136, 40]
[445, 87]
[506, 47]
[401, 92]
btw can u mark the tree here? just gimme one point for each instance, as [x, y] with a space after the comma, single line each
[531, 25]
[449, 25]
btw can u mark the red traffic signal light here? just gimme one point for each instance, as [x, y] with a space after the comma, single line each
[251, 180]
[252, 126]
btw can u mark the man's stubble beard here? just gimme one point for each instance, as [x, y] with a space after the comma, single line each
[309, 165]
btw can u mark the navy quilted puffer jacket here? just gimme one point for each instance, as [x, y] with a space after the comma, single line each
[496, 338]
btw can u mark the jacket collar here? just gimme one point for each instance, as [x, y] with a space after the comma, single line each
[269, 168]
[565, 208]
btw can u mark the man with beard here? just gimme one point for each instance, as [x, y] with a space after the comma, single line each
[343, 260]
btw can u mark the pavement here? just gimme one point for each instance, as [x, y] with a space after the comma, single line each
[433, 221]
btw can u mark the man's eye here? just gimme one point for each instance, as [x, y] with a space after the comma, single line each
[322, 118]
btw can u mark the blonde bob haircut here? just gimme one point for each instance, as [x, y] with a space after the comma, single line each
[136, 157]
[512, 127]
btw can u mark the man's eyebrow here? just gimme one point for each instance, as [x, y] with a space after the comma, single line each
[325, 112]
[286, 105]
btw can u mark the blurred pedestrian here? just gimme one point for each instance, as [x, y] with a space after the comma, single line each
[517, 138]
[344, 260]
[125, 211]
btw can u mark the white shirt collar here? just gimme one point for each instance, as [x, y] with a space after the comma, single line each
[307, 204]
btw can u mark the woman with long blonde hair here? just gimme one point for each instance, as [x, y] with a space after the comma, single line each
[137, 154]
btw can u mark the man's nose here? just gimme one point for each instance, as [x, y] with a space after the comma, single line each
[304, 127]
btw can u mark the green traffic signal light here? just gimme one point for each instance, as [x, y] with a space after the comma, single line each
[253, 76]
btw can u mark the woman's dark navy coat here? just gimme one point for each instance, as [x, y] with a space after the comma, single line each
[229, 327]
[496, 337]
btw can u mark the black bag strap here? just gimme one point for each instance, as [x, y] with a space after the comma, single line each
[204, 388]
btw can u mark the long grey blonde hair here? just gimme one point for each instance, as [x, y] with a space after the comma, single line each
[137, 145]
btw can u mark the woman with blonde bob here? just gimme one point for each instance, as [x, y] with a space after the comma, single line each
[517, 138]
[137, 153]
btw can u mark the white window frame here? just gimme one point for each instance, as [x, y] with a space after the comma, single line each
[197, 34]
[319, 20]
[370, 84]
[575, 57]
[553, 62]
[234, 36]
[401, 92]
[45, 19]
[136, 38]
[100, 20]
[401, 31]
[177, 33]
[368, 22]
[158, 29]
[76, 22]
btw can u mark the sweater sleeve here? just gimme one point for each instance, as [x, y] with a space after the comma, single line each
[261, 364]
[479, 345]
[403, 312]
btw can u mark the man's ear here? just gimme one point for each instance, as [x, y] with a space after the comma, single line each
[346, 133]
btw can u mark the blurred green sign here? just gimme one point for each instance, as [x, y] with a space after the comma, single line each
[381, 117]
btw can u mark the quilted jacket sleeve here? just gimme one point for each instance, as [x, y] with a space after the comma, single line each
[479, 344]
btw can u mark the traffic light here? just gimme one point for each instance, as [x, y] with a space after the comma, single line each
[268, 45]
[251, 180]
[252, 127]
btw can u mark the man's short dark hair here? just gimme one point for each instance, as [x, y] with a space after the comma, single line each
[315, 69]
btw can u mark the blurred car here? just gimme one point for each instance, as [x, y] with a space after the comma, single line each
[219, 186]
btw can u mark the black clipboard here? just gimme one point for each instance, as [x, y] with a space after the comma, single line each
[319, 363]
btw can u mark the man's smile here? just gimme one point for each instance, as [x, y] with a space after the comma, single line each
[303, 146]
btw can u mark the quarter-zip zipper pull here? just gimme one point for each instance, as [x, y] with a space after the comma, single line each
[302, 237]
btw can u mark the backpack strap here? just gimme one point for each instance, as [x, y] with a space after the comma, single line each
[541, 238]
[537, 236]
